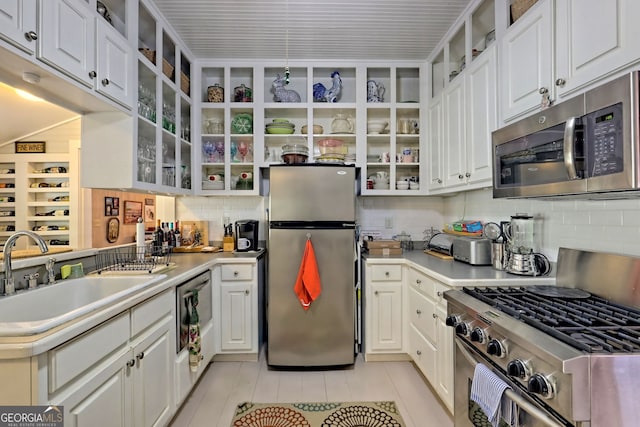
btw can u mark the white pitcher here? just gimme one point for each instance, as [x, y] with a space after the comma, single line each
[342, 123]
[382, 177]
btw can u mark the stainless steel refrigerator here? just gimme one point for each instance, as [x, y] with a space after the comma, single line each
[316, 202]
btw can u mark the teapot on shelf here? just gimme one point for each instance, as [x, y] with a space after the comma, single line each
[342, 123]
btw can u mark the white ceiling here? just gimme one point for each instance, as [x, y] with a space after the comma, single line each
[317, 29]
[22, 117]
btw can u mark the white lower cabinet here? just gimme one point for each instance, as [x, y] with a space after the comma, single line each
[236, 308]
[132, 385]
[430, 340]
[383, 308]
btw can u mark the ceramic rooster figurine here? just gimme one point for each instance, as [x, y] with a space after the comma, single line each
[321, 93]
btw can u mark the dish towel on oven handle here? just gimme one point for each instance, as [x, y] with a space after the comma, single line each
[194, 345]
[307, 286]
[487, 390]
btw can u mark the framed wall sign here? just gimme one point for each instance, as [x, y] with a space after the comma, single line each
[30, 146]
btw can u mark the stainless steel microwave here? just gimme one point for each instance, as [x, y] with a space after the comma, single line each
[587, 145]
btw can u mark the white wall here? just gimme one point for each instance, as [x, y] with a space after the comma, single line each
[608, 226]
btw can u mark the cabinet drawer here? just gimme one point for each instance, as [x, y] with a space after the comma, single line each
[422, 283]
[439, 290]
[76, 356]
[236, 272]
[386, 273]
[421, 314]
[151, 311]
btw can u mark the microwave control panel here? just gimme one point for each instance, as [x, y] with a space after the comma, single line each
[604, 133]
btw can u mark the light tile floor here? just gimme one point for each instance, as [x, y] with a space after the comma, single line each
[225, 384]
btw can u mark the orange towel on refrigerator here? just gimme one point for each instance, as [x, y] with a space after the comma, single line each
[307, 286]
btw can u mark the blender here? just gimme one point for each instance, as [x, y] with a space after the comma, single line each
[521, 256]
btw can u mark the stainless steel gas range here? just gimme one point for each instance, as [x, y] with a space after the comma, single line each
[570, 353]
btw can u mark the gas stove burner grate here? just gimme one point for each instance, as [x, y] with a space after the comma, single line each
[591, 324]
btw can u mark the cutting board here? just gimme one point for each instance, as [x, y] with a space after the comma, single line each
[196, 249]
[438, 254]
[28, 253]
[187, 232]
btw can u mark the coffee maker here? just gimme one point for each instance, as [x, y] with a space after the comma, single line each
[246, 235]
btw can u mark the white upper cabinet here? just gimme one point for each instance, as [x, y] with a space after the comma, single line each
[454, 133]
[526, 56]
[594, 38]
[18, 23]
[561, 47]
[79, 42]
[113, 64]
[436, 181]
[67, 34]
[463, 105]
[481, 115]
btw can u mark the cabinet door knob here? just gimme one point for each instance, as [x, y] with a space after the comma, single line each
[386, 273]
[375, 293]
[418, 312]
[543, 90]
[435, 316]
[418, 352]
[140, 355]
[31, 36]
[560, 82]
[105, 82]
[131, 363]
[460, 176]
[439, 293]
[468, 174]
[418, 281]
[92, 74]
[235, 274]
[246, 292]
[439, 181]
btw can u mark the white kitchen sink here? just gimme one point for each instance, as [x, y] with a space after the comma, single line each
[38, 310]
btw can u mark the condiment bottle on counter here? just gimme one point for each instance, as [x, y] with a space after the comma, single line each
[228, 242]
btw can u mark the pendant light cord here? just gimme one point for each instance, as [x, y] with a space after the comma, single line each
[287, 73]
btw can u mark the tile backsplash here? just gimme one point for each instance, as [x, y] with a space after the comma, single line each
[596, 225]
[610, 226]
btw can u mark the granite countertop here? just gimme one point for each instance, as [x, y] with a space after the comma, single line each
[187, 265]
[458, 274]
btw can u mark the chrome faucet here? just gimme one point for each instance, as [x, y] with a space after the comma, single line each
[7, 287]
[51, 262]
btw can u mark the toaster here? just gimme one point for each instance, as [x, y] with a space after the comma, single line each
[472, 250]
[442, 243]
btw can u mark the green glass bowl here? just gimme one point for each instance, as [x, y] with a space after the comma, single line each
[277, 130]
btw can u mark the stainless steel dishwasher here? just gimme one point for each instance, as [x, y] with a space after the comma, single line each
[185, 293]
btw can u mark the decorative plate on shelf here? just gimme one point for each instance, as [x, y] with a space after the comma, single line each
[242, 123]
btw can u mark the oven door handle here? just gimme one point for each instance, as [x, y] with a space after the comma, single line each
[568, 148]
[520, 401]
[189, 293]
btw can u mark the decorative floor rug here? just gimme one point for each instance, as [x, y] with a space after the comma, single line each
[321, 414]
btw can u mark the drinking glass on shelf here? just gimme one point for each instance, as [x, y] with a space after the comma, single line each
[220, 151]
[233, 150]
[243, 150]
